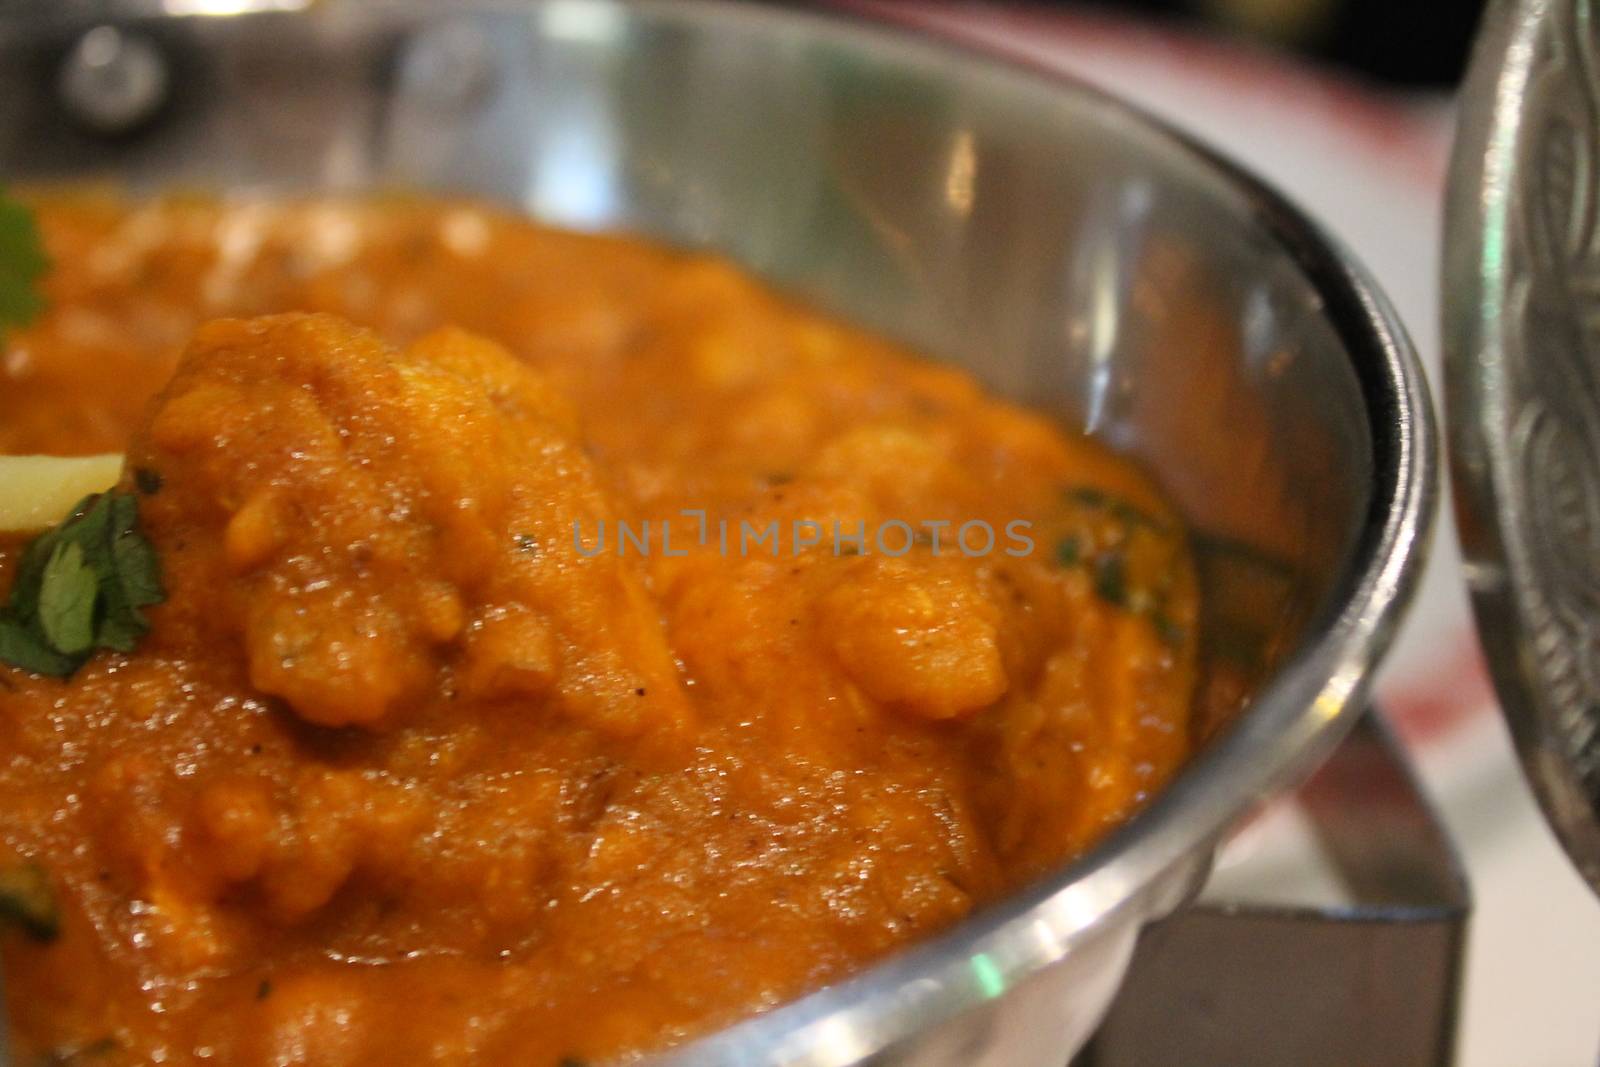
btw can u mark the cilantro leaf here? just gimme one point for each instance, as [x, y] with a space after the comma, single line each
[22, 264]
[138, 570]
[1111, 579]
[20, 648]
[79, 587]
[1090, 496]
[134, 559]
[66, 600]
[29, 901]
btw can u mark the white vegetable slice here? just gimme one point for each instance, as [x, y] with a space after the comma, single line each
[39, 491]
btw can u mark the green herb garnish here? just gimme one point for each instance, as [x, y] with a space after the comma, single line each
[1111, 579]
[1087, 495]
[66, 601]
[80, 587]
[28, 901]
[22, 264]
[1101, 547]
[1131, 515]
[1166, 629]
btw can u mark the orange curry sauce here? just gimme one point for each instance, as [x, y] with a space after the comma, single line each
[404, 774]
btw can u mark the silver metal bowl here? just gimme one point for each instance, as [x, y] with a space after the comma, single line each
[1521, 256]
[1072, 252]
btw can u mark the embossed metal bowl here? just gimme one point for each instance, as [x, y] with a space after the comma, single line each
[1522, 296]
[1071, 252]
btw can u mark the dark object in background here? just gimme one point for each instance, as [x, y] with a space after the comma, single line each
[1407, 42]
[1411, 41]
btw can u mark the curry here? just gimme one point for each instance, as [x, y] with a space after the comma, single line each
[565, 646]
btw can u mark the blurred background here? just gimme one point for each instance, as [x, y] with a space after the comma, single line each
[1410, 42]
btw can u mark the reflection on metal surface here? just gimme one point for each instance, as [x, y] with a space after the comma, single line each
[963, 173]
[1374, 982]
[573, 178]
[451, 65]
[1522, 322]
[226, 8]
[990, 978]
[113, 81]
[581, 21]
[1105, 309]
[1104, 263]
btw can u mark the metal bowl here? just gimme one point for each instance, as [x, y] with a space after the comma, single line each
[1521, 255]
[1073, 253]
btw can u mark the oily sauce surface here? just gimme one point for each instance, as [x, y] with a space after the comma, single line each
[403, 775]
